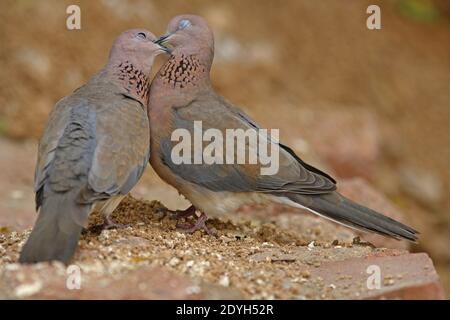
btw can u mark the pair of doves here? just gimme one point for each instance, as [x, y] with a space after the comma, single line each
[96, 147]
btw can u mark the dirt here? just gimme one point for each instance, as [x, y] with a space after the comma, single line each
[259, 260]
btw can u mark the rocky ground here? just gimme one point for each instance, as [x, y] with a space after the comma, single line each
[292, 256]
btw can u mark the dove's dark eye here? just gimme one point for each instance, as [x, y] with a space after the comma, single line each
[184, 24]
[141, 36]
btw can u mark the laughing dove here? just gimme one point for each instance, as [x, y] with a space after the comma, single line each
[94, 148]
[181, 94]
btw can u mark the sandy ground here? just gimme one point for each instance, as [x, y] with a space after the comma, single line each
[247, 258]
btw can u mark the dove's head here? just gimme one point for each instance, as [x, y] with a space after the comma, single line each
[136, 46]
[189, 34]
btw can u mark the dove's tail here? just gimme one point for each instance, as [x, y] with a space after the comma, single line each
[57, 230]
[339, 209]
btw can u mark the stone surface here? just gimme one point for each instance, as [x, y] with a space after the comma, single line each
[349, 142]
[50, 281]
[402, 276]
[422, 185]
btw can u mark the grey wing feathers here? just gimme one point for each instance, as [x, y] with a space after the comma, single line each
[294, 175]
[65, 150]
[122, 151]
[81, 148]
[214, 177]
[57, 122]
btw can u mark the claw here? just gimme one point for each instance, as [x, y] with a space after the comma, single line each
[198, 225]
[109, 224]
[180, 214]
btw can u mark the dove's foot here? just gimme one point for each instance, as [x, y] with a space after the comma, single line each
[110, 224]
[180, 214]
[198, 225]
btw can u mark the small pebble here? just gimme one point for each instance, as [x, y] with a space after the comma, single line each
[224, 281]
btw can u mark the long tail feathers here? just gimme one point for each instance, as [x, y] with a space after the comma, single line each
[336, 207]
[56, 232]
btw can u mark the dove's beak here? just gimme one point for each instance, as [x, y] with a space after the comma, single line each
[165, 49]
[163, 39]
[161, 47]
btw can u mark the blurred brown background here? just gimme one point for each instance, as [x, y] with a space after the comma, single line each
[356, 102]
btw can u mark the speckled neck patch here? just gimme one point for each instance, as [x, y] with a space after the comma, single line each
[134, 80]
[182, 70]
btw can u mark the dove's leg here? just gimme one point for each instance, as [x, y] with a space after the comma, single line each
[107, 209]
[198, 225]
[180, 214]
[110, 224]
[191, 228]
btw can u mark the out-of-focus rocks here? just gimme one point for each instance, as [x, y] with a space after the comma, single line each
[17, 197]
[140, 9]
[230, 50]
[347, 141]
[34, 61]
[422, 185]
